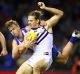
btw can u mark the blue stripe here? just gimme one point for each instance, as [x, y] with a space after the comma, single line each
[41, 35]
[24, 29]
[54, 53]
[42, 38]
[16, 40]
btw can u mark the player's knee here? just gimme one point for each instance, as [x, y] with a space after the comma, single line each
[24, 69]
[36, 68]
[18, 72]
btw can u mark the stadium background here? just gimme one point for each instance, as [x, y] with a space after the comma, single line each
[18, 10]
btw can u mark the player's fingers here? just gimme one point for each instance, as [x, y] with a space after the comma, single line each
[40, 4]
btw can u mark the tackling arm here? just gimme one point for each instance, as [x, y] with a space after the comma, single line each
[17, 50]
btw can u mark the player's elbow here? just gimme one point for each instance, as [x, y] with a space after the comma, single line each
[61, 13]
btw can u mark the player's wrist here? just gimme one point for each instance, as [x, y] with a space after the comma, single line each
[45, 8]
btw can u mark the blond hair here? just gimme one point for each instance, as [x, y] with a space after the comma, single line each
[10, 23]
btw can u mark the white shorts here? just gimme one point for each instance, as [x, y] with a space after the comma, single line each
[37, 57]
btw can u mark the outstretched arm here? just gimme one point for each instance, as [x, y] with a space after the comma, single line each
[3, 44]
[57, 14]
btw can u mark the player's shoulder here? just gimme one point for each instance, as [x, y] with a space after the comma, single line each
[24, 29]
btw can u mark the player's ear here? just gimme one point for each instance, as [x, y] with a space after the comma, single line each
[38, 20]
[17, 26]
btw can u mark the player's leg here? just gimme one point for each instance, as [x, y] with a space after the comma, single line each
[63, 57]
[67, 49]
[40, 67]
[24, 69]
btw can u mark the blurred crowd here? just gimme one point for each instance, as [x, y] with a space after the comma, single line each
[18, 10]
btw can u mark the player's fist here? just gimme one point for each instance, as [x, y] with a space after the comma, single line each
[4, 52]
[41, 5]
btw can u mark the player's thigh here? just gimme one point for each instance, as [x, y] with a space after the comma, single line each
[20, 61]
[24, 69]
[42, 65]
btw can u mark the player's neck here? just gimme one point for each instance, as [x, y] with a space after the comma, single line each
[20, 37]
[36, 26]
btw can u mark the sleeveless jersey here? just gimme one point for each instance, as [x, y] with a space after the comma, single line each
[44, 41]
[23, 30]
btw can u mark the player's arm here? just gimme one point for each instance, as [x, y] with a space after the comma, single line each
[17, 50]
[63, 57]
[3, 44]
[57, 14]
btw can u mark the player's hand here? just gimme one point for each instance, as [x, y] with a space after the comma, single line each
[29, 44]
[32, 43]
[3, 53]
[41, 5]
[30, 39]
